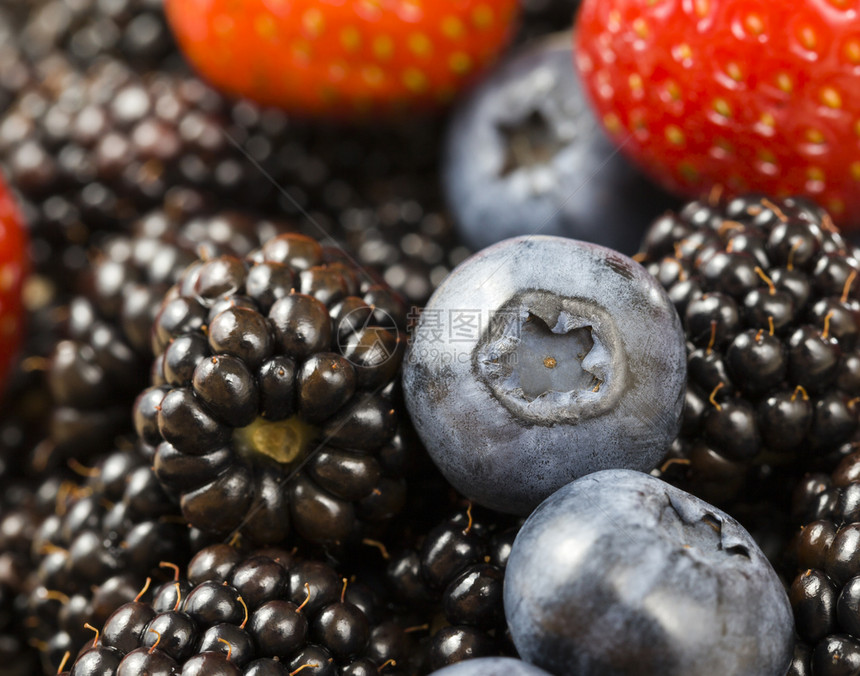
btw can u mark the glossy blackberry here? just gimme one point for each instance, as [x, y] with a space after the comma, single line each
[105, 359]
[455, 572]
[247, 612]
[22, 508]
[105, 535]
[770, 305]
[272, 401]
[134, 30]
[823, 563]
[27, 405]
[90, 150]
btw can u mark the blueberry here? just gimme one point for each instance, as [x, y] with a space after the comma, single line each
[620, 573]
[491, 666]
[525, 155]
[539, 360]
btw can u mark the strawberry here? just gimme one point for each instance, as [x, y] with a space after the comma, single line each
[743, 94]
[342, 58]
[13, 268]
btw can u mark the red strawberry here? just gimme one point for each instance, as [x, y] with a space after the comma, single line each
[748, 94]
[342, 58]
[13, 268]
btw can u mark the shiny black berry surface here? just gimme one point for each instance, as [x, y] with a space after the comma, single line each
[767, 291]
[273, 394]
[823, 565]
[258, 612]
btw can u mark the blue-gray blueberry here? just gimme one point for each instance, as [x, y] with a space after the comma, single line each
[539, 360]
[491, 666]
[525, 155]
[619, 573]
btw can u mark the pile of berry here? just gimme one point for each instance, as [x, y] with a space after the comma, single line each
[265, 414]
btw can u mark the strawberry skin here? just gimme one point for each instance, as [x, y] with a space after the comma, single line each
[13, 269]
[342, 58]
[745, 94]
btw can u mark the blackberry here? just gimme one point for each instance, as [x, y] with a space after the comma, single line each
[770, 306]
[22, 508]
[15, 71]
[134, 30]
[453, 575]
[823, 563]
[27, 402]
[258, 612]
[96, 372]
[90, 150]
[407, 235]
[106, 533]
[271, 403]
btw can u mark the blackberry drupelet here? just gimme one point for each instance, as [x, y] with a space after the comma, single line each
[770, 306]
[272, 397]
[452, 576]
[259, 612]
